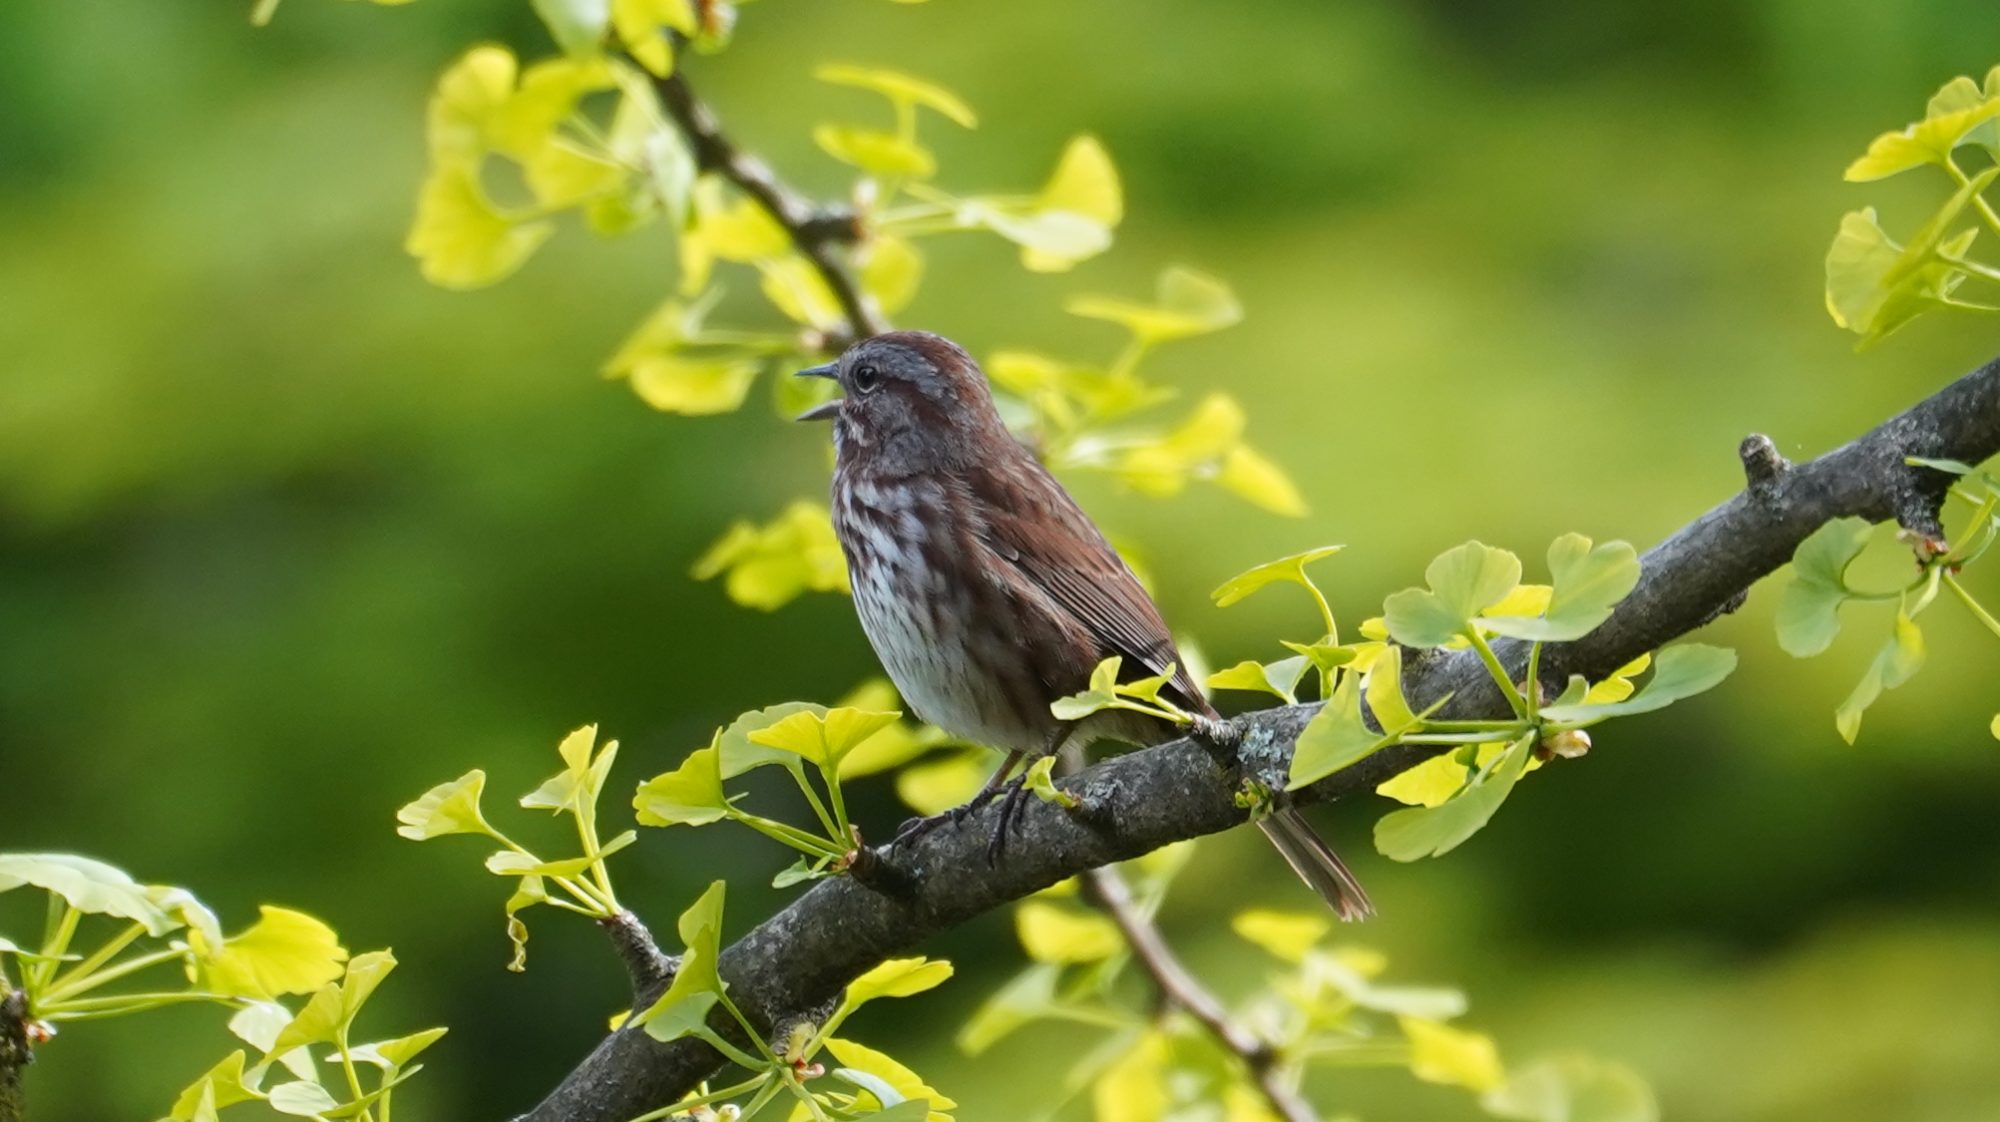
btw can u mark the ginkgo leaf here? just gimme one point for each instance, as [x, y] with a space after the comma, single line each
[933, 787]
[1679, 672]
[689, 795]
[823, 737]
[1573, 1089]
[1280, 679]
[88, 886]
[1463, 582]
[1897, 662]
[220, 1086]
[1588, 581]
[1290, 570]
[1440, 1053]
[582, 777]
[902, 89]
[1417, 832]
[1288, 935]
[905, 1085]
[397, 1053]
[769, 566]
[1052, 933]
[642, 27]
[1187, 303]
[683, 1009]
[875, 151]
[448, 808]
[896, 977]
[283, 952]
[1039, 781]
[1251, 476]
[1029, 996]
[461, 240]
[1808, 615]
[1338, 736]
[1085, 183]
[1135, 1087]
[302, 1099]
[1875, 286]
[1929, 141]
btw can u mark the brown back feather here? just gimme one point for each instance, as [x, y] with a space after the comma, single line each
[1033, 525]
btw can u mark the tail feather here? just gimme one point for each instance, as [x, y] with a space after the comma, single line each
[1316, 863]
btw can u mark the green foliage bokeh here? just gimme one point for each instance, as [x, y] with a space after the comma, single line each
[286, 534]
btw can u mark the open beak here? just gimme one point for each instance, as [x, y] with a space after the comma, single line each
[828, 410]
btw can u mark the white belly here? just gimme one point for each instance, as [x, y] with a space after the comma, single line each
[928, 642]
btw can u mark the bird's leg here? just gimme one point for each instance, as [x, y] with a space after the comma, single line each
[1010, 807]
[918, 827]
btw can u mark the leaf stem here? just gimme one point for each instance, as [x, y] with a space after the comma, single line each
[1977, 609]
[77, 985]
[1499, 672]
[66, 980]
[686, 1105]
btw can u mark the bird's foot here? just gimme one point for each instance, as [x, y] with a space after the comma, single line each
[1010, 810]
[915, 828]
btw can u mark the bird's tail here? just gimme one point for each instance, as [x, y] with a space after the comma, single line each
[1316, 863]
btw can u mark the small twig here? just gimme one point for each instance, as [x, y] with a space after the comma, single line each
[816, 231]
[1763, 466]
[1181, 988]
[650, 970]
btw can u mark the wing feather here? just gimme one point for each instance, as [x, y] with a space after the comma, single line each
[1032, 525]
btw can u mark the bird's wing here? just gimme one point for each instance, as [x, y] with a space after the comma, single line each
[1032, 524]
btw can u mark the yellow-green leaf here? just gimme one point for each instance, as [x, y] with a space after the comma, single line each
[823, 738]
[448, 808]
[901, 89]
[1463, 582]
[1187, 303]
[690, 795]
[461, 240]
[900, 1079]
[1284, 570]
[875, 151]
[1134, 1088]
[283, 952]
[896, 977]
[1084, 183]
[1280, 679]
[935, 786]
[1288, 935]
[1929, 141]
[1054, 933]
[1440, 1053]
[768, 566]
[642, 25]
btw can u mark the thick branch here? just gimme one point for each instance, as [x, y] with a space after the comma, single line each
[15, 1053]
[817, 232]
[1135, 803]
[650, 970]
[1181, 988]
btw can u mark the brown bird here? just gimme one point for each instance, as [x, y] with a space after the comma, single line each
[984, 589]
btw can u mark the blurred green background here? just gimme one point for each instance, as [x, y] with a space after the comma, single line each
[287, 536]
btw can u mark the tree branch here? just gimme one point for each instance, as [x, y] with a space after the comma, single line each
[15, 1053]
[650, 970]
[816, 231]
[1180, 988]
[1135, 803]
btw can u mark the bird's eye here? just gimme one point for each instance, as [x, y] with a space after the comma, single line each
[866, 377]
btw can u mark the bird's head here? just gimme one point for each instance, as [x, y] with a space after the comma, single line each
[910, 395]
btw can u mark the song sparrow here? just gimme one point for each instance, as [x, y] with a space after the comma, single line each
[986, 592]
